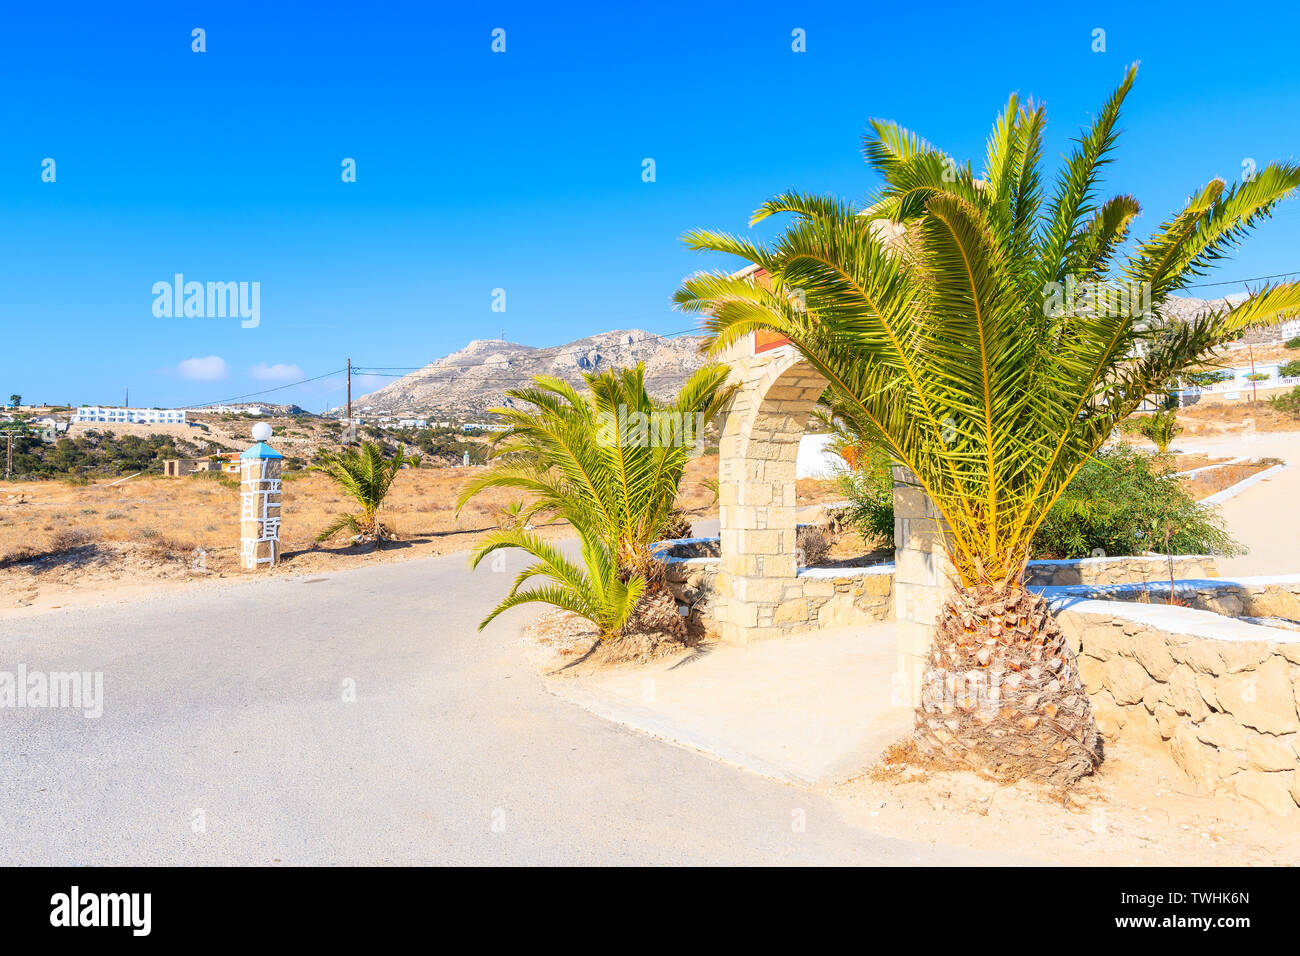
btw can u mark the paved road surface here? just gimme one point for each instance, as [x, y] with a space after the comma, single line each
[225, 739]
[1266, 516]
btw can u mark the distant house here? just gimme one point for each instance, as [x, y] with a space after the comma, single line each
[181, 467]
[110, 415]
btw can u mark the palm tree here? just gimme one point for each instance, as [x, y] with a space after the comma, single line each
[1160, 427]
[365, 475]
[941, 317]
[609, 461]
[595, 590]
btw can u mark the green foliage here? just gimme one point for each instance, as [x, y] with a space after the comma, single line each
[95, 454]
[1160, 428]
[939, 315]
[1293, 343]
[365, 474]
[1258, 377]
[1120, 504]
[1288, 403]
[1289, 369]
[868, 486]
[595, 590]
[581, 457]
[1201, 379]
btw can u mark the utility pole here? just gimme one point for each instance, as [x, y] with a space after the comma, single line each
[128, 397]
[9, 453]
[1254, 385]
[348, 428]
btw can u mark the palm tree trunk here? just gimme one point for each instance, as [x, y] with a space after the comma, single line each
[1002, 693]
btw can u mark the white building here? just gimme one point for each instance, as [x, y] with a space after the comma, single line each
[105, 415]
[235, 409]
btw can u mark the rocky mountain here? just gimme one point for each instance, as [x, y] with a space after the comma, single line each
[476, 378]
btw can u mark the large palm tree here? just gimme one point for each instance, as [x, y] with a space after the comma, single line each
[937, 315]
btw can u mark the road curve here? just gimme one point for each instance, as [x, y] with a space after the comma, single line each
[226, 738]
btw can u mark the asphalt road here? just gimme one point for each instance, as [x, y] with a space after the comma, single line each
[226, 738]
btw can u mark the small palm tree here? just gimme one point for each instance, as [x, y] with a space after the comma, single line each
[365, 475]
[941, 316]
[595, 590]
[1161, 427]
[608, 461]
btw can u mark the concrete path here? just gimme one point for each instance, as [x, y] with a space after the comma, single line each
[1265, 517]
[227, 738]
[805, 710]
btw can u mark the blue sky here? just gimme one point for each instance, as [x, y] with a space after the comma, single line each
[522, 170]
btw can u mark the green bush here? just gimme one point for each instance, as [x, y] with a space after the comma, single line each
[1289, 369]
[1201, 379]
[1293, 343]
[1118, 503]
[1288, 403]
[869, 488]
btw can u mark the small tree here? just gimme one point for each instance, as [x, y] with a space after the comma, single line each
[1161, 428]
[15, 400]
[366, 476]
[1289, 369]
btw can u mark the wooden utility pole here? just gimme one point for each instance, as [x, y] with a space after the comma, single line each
[1254, 385]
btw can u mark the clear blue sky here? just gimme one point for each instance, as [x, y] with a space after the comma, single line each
[521, 170]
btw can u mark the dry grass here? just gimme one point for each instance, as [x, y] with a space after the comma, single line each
[61, 535]
[1234, 418]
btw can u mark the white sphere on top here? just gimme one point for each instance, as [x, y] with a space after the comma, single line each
[261, 431]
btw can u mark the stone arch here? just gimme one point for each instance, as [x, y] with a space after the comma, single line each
[756, 484]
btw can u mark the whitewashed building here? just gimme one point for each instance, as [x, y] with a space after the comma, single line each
[109, 415]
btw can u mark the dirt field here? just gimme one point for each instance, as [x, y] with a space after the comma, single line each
[64, 543]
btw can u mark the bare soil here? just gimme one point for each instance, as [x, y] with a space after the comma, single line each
[1139, 809]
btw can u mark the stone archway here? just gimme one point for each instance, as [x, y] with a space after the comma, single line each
[756, 484]
[760, 593]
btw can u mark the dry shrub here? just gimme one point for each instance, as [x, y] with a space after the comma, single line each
[678, 526]
[813, 543]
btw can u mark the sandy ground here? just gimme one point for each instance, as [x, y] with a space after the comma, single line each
[64, 544]
[1140, 809]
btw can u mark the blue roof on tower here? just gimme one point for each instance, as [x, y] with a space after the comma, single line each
[261, 450]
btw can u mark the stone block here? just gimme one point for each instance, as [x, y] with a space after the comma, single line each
[1266, 752]
[1263, 699]
[1270, 790]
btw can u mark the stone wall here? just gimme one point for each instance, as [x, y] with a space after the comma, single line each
[1268, 597]
[817, 597]
[1223, 696]
[1119, 570]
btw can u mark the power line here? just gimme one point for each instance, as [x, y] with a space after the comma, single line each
[267, 391]
[1207, 285]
